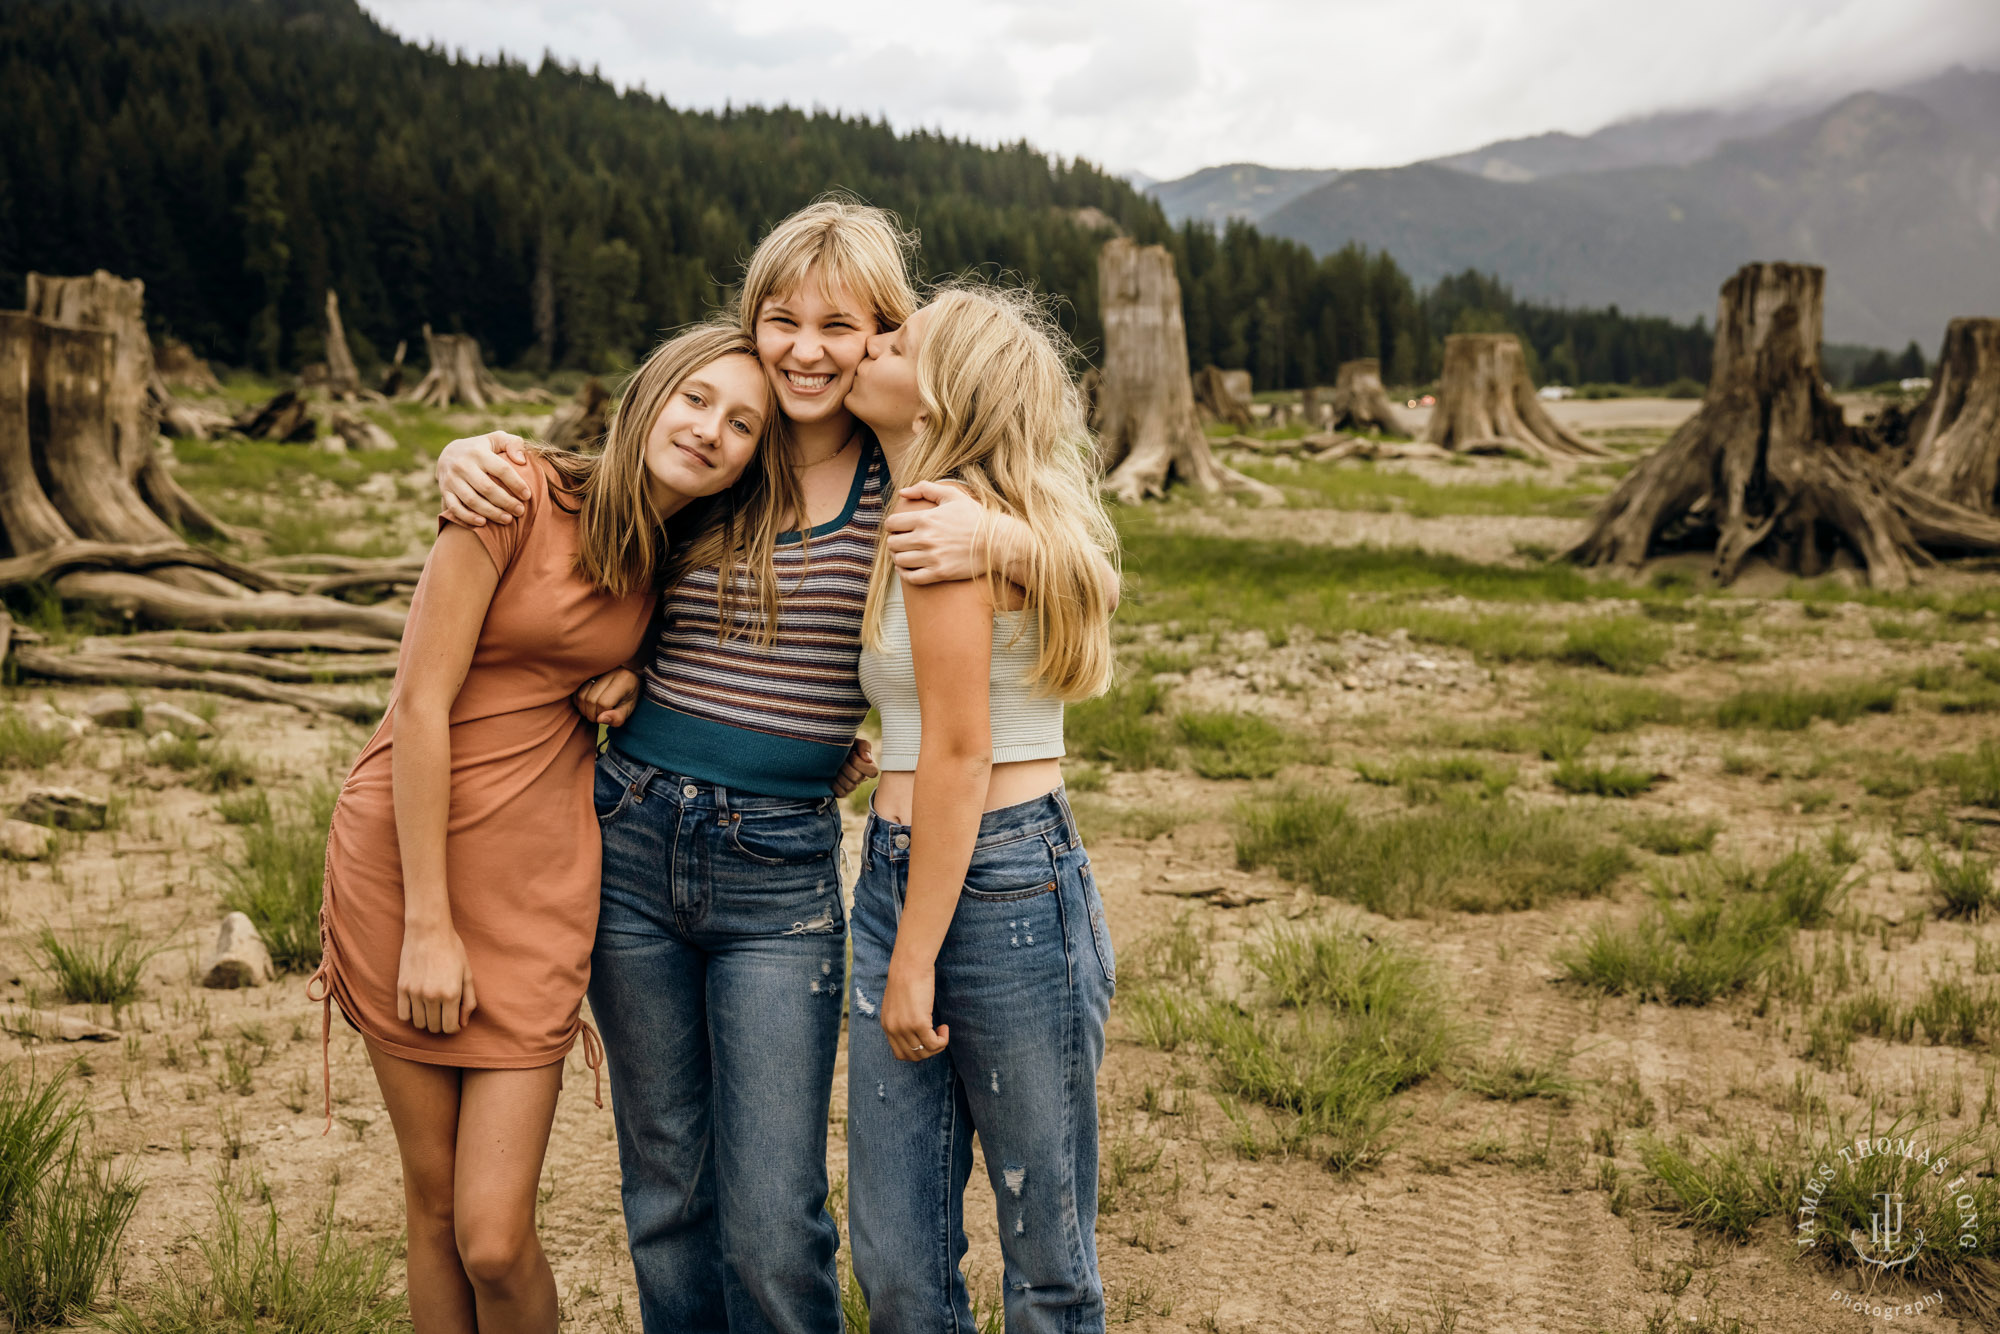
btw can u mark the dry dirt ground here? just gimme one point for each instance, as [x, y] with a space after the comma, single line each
[1484, 1215]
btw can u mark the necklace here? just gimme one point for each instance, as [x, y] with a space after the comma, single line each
[817, 463]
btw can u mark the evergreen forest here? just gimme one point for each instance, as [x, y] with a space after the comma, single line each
[243, 156]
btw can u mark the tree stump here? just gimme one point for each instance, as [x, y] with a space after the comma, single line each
[343, 381]
[1955, 431]
[1145, 418]
[580, 424]
[116, 307]
[1487, 405]
[458, 374]
[1359, 402]
[1769, 465]
[1223, 395]
[392, 379]
[71, 513]
[177, 367]
[286, 418]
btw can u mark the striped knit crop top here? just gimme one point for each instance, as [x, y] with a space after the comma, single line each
[769, 719]
[1025, 724]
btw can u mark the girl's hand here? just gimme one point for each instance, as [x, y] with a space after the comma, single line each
[858, 767]
[434, 982]
[940, 543]
[610, 698]
[906, 1013]
[479, 479]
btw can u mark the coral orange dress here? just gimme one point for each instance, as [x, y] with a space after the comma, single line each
[522, 849]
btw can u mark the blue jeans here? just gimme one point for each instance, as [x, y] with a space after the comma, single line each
[716, 981]
[1024, 981]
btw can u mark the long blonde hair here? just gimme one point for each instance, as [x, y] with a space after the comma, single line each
[1007, 422]
[622, 545]
[842, 245]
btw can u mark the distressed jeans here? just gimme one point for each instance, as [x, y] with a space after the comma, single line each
[716, 981]
[1024, 981]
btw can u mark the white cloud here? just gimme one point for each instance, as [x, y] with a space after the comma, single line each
[1171, 85]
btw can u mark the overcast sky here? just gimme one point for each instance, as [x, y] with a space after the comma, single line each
[1167, 86]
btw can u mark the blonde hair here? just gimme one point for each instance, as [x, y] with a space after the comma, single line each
[622, 545]
[842, 245]
[1007, 422]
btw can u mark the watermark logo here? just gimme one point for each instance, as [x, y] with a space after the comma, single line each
[1905, 1194]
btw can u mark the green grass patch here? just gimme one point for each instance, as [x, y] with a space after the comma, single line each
[1510, 1076]
[1462, 854]
[1628, 645]
[1961, 885]
[1334, 1025]
[62, 1208]
[1670, 835]
[1361, 486]
[1793, 709]
[1125, 728]
[1429, 778]
[1712, 930]
[95, 969]
[25, 747]
[1227, 743]
[279, 880]
[250, 1277]
[1975, 773]
[1597, 705]
[1603, 780]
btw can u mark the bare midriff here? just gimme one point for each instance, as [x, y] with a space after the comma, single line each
[1008, 785]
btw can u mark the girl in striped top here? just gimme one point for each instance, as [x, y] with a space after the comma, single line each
[721, 945]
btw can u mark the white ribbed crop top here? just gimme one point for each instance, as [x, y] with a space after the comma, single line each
[1026, 725]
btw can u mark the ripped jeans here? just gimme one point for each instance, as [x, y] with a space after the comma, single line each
[1024, 981]
[716, 982]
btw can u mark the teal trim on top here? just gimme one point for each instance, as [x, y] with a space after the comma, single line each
[731, 757]
[846, 516]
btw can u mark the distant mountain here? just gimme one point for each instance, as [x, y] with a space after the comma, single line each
[1241, 191]
[1898, 195]
[1670, 139]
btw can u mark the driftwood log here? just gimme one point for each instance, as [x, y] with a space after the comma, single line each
[287, 417]
[1486, 404]
[458, 374]
[1223, 396]
[1147, 429]
[1769, 465]
[1955, 431]
[1359, 402]
[392, 379]
[87, 506]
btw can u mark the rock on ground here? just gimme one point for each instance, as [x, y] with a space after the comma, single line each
[240, 958]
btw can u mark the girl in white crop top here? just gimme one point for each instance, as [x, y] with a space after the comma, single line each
[981, 958]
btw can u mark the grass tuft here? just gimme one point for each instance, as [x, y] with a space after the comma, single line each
[1789, 709]
[1963, 887]
[1671, 835]
[25, 747]
[1628, 645]
[1463, 854]
[279, 880]
[62, 1210]
[96, 970]
[1604, 780]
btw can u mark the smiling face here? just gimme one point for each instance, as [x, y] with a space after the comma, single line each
[707, 431]
[885, 386]
[810, 341]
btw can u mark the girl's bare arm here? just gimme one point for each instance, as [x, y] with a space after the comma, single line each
[434, 984]
[951, 641]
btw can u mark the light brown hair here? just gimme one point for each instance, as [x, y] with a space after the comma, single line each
[622, 547]
[843, 246]
[1006, 421]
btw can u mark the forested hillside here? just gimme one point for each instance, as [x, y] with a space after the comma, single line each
[242, 156]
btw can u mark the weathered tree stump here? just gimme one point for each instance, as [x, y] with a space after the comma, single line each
[580, 424]
[392, 379]
[1223, 396]
[1955, 431]
[1359, 402]
[1769, 465]
[1487, 405]
[343, 381]
[177, 367]
[72, 510]
[1145, 418]
[458, 374]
